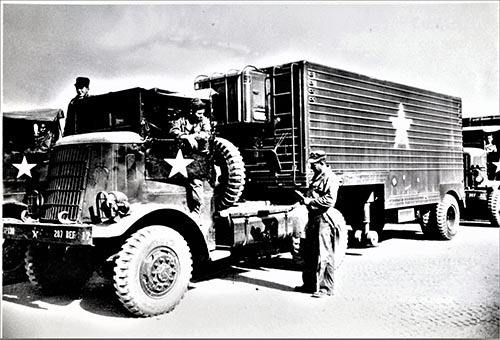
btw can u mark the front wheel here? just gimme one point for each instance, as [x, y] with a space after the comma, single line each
[56, 269]
[152, 271]
[13, 254]
[494, 207]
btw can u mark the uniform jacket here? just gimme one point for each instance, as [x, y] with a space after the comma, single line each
[182, 126]
[323, 192]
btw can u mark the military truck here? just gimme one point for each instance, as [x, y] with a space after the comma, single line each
[481, 172]
[22, 138]
[117, 201]
[397, 149]
[117, 189]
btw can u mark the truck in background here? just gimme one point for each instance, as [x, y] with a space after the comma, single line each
[20, 133]
[482, 168]
[398, 149]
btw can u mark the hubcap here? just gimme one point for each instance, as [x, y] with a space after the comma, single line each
[159, 271]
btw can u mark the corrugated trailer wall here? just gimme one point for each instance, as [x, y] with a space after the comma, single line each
[373, 131]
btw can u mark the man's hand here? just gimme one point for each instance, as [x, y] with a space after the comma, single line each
[306, 201]
[191, 140]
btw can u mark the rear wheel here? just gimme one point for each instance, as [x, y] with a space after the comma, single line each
[58, 269]
[152, 271]
[494, 207]
[444, 220]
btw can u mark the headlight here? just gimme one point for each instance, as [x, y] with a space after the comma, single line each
[479, 179]
[111, 205]
[35, 202]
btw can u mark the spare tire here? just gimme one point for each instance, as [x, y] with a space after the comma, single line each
[231, 180]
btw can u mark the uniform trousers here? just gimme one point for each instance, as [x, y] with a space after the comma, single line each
[321, 236]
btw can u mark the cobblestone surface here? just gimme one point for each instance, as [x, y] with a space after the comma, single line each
[406, 287]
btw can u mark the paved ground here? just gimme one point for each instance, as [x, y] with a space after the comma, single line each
[406, 287]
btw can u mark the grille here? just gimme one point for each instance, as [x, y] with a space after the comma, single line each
[66, 182]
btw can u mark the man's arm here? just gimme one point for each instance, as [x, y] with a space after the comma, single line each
[177, 129]
[328, 197]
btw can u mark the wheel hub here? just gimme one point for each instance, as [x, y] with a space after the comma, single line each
[159, 271]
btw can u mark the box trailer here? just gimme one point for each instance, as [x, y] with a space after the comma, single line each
[397, 148]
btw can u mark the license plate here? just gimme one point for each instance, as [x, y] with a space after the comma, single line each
[47, 232]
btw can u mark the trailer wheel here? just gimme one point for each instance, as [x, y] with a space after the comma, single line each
[494, 207]
[152, 271]
[232, 174]
[444, 220]
[57, 268]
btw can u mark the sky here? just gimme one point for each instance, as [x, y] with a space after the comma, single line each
[448, 47]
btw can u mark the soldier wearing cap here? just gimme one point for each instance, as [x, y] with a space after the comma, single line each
[321, 233]
[82, 91]
[193, 133]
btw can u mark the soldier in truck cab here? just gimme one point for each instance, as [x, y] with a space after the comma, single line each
[489, 146]
[193, 132]
[82, 91]
[43, 139]
[491, 157]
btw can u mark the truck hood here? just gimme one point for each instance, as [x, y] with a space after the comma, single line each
[112, 137]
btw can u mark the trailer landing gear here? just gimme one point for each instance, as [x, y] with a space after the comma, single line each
[366, 237]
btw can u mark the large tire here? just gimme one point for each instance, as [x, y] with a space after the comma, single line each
[341, 247]
[444, 220]
[56, 269]
[13, 252]
[232, 174]
[494, 207]
[13, 265]
[152, 271]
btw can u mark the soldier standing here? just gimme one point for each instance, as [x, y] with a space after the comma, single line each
[322, 235]
[82, 91]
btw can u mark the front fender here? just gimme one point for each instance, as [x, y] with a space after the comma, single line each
[138, 213]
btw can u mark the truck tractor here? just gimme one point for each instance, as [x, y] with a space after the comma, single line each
[481, 171]
[396, 148]
[117, 203]
[23, 138]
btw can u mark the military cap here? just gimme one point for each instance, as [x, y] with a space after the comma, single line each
[317, 156]
[197, 104]
[82, 82]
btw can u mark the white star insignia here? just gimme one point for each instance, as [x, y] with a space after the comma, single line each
[401, 124]
[178, 164]
[24, 168]
[497, 165]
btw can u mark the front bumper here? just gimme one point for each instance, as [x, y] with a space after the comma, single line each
[70, 234]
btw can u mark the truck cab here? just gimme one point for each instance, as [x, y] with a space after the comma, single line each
[117, 199]
[28, 137]
[481, 138]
